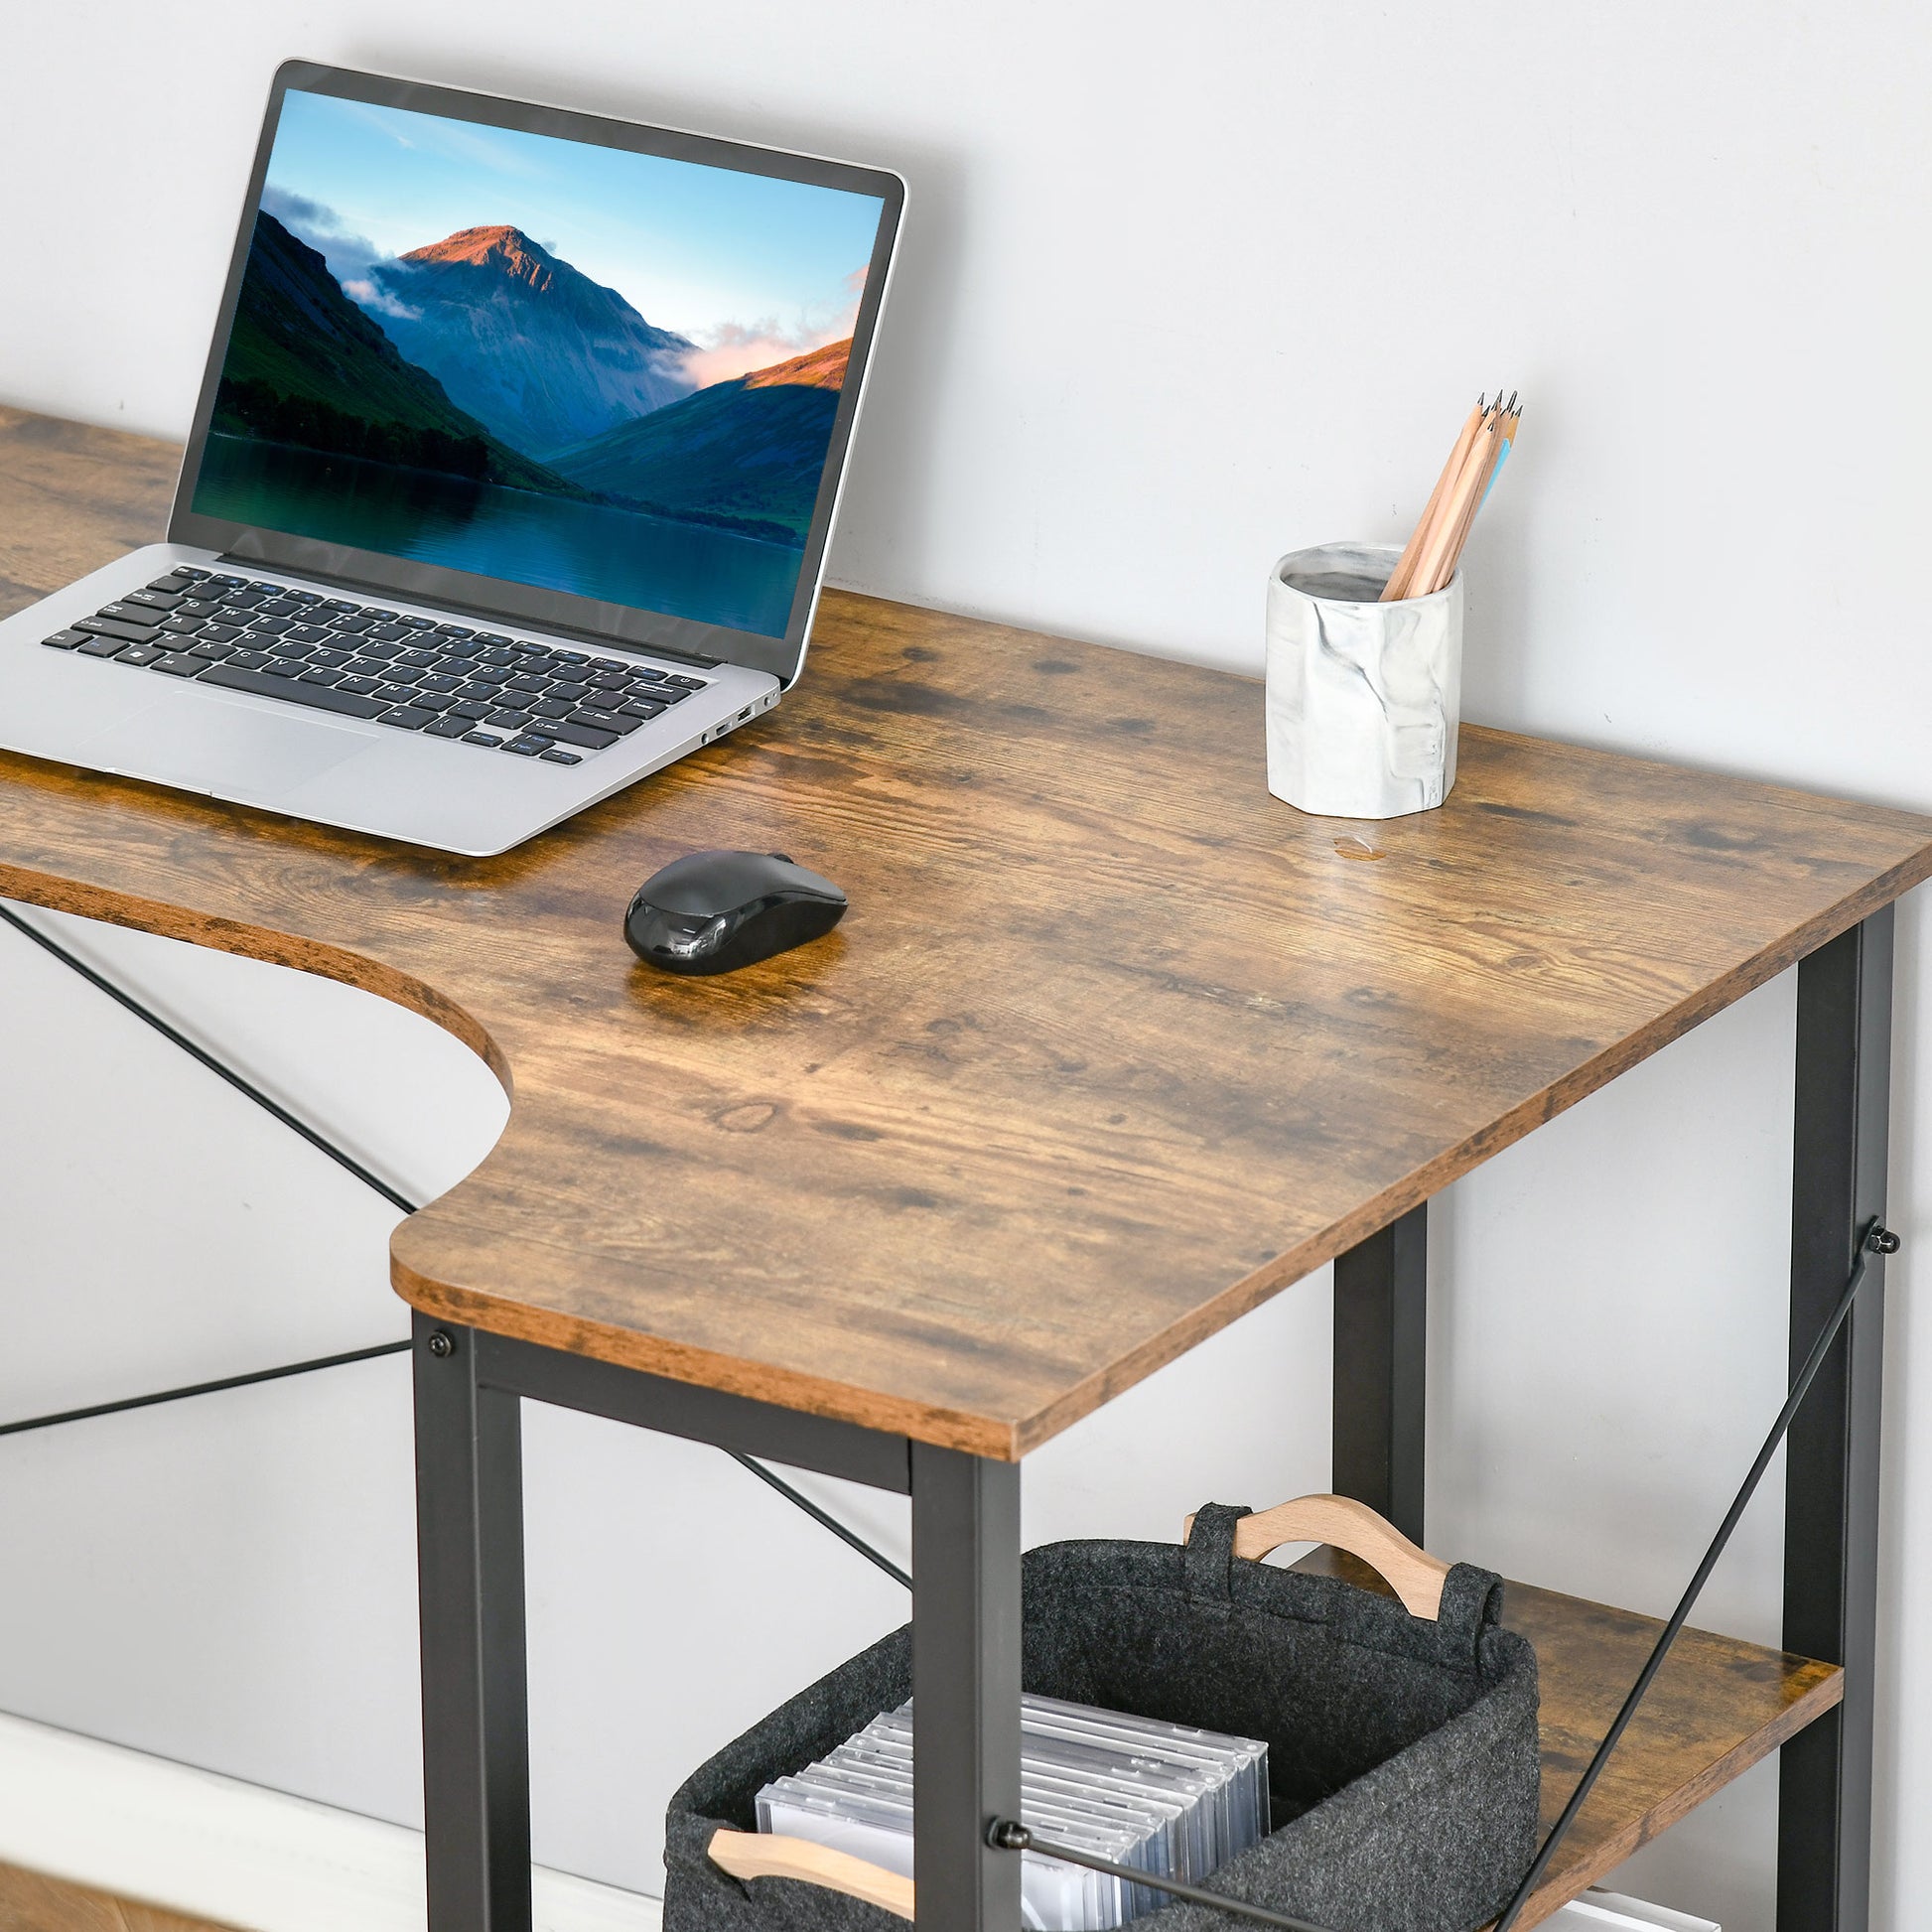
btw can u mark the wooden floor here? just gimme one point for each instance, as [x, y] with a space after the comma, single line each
[31, 1904]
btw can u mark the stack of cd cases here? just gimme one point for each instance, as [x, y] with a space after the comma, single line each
[1162, 1798]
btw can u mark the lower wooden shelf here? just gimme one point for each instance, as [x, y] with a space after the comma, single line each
[1719, 1706]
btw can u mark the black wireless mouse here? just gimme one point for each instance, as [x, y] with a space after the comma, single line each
[714, 912]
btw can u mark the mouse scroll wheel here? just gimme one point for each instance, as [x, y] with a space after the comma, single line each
[783, 858]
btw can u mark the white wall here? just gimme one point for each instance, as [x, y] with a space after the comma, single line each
[1180, 289]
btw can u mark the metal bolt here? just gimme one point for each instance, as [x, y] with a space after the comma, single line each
[1882, 1241]
[442, 1344]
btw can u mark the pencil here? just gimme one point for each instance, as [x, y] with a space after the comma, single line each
[1487, 463]
[1439, 550]
[1398, 583]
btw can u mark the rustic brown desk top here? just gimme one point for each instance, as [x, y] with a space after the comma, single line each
[1111, 1046]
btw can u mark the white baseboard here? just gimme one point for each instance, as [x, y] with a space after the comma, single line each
[215, 1847]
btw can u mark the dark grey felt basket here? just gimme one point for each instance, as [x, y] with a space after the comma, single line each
[1402, 1752]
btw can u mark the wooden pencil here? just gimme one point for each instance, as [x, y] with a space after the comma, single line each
[1456, 511]
[1484, 463]
[1404, 573]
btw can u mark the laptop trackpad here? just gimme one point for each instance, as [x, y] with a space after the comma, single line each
[229, 750]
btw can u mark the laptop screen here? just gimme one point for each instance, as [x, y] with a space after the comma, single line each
[582, 368]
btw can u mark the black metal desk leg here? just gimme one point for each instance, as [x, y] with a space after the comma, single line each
[965, 1688]
[469, 1566]
[1831, 1516]
[1382, 1370]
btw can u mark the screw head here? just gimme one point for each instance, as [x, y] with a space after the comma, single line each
[442, 1343]
[1884, 1241]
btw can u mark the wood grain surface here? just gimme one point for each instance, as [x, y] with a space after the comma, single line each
[1112, 1046]
[1717, 1707]
[30, 1902]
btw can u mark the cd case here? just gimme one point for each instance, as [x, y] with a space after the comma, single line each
[1162, 1798]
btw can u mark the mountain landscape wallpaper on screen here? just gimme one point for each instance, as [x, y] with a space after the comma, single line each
[517, 369]
[473, 397]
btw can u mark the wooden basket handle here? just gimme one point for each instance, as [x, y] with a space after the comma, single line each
[1344, 1523]
[770, 1855]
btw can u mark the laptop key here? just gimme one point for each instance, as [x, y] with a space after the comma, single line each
[447, 727]
[283, 667]
[102, 647]
[162, 600]
[211, 653]
[359, 685]
[182, 626]
[178, 664]
[220, 633]
[472, 711]
[406, 718]
[527, 748]
[140, 654]
[174, 584]
[637, 707]
[249, 660]
[550, 708]
[489, 739]
[319, 697]
[353, 626]
[509, 719]
[606, 720]
[131, 613]
[65, 639]
[572, 733]
[106, 628]
[557, 756]
[310, 633]
[321, 677]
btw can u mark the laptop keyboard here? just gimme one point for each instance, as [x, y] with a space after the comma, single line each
[357, 660]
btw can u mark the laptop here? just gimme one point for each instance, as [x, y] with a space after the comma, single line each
[511, 480]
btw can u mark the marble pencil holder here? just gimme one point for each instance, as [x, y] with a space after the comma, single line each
[1363, 698]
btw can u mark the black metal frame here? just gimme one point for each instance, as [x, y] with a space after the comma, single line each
[469, 1387]
[1831, 1514]
[1843, 1076]
[1382, 1371]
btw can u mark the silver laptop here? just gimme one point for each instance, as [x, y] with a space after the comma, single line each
[511, 480]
